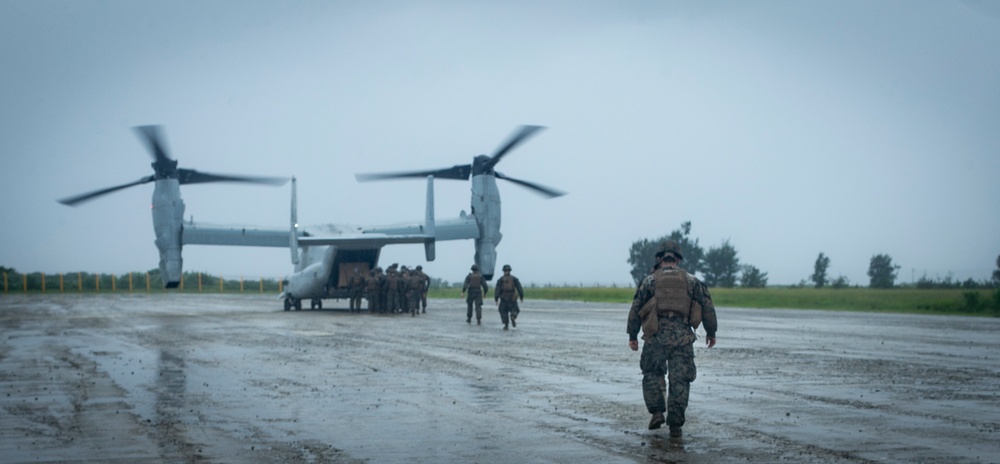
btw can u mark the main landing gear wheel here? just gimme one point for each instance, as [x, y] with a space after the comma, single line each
[316, 303]
[288, 304]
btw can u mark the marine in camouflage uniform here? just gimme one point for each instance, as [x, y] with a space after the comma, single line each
[391, 290]
[668, 305]
[425, 281]
[414, 286]
[372, 285]
[476, 287]
[404, 277]
[404, 298]
[357, 288]
[506, 292]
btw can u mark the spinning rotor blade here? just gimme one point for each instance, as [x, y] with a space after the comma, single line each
[457, 172]
[75, 200]
[190, 176]
[153, 136]
[482, 166]
[166, 168]
[515, 139]
[540, 189]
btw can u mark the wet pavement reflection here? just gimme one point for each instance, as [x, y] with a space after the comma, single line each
[234, 378]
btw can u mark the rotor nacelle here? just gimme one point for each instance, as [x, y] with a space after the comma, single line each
[168, 222]
[486, 210]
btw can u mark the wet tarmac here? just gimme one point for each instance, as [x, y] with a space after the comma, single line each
[233, 378]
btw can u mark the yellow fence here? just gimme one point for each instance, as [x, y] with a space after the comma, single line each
[134, 281]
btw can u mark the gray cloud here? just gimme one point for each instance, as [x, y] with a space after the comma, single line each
[789, 128]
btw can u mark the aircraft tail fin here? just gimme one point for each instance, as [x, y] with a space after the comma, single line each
[429, 250]
[293, 236]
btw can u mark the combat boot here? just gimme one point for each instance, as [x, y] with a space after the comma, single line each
[479, 322]
[675, 431]
[505, 326]
[513, 321]
[656, 421]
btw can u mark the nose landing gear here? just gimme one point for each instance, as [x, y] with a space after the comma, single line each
[292, 301]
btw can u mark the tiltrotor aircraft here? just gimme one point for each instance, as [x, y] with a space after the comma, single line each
[324, 256]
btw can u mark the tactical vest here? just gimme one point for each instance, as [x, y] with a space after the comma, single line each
[506, 285]
[672, 292]
[475, 280]
[392, 282]
[372, 283]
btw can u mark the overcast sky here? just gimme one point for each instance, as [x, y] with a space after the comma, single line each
[788, 128]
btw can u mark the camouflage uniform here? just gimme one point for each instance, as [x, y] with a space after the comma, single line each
[506, 292]
[475, 286]
[372, 285]
[391, 291]
[357, 289]
[404, 275]
[668, 348]
[414, 287]
[425, 281]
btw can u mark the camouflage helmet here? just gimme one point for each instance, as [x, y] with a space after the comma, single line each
[420, 268]
[671, 246]
[506, 267]
[475, 267]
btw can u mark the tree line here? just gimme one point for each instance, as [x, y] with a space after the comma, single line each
[720, 266]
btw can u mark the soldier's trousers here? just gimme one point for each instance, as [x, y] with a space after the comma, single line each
[414, 298]
[423, 300]
[508, 308]
[356, 300]
[474, 299]
[391, 302]
[677, 363]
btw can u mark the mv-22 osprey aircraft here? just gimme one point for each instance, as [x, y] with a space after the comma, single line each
[326, 255]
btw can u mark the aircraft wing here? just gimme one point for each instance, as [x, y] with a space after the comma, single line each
[343, 237]
[363, 241]
[202, 234]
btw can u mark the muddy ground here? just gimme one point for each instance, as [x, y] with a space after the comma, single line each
[233, 378]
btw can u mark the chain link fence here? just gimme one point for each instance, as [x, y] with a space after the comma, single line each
[85, 282]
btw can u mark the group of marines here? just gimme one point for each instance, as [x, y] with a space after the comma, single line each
[397, 290]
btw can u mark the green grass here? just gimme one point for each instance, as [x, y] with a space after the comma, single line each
[897, 300]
